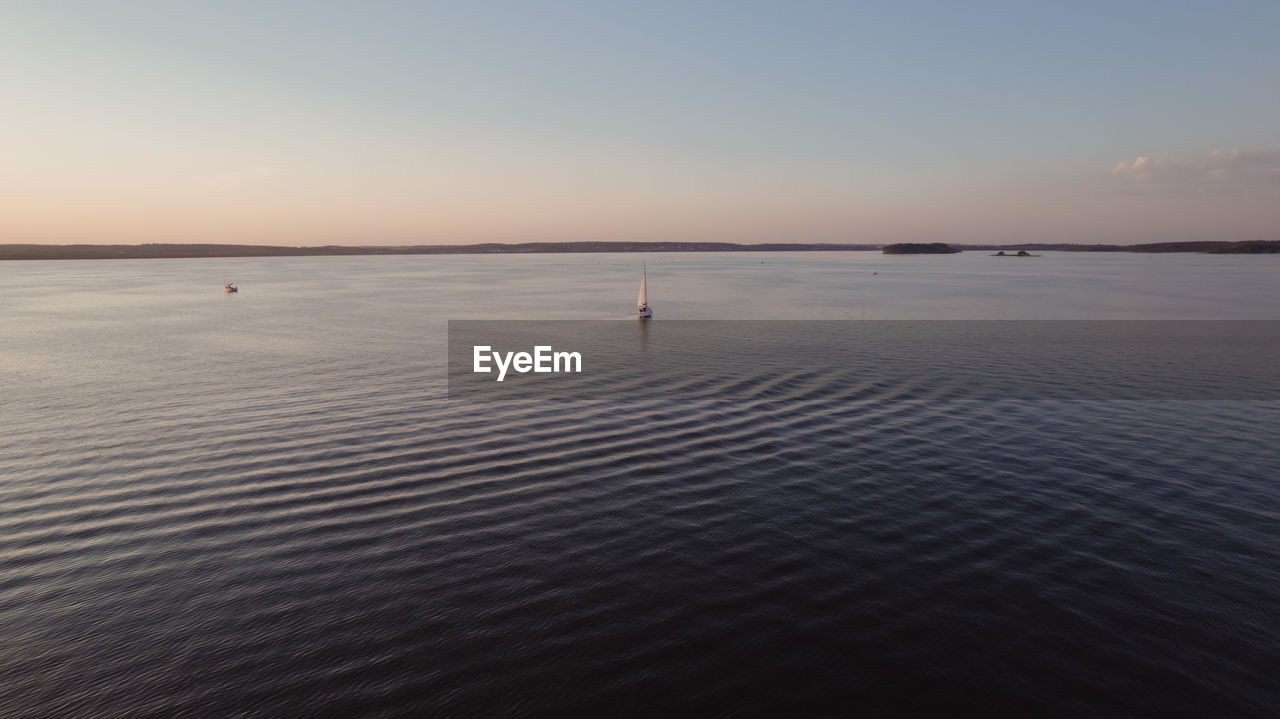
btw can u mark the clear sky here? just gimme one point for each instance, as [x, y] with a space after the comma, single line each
[312, 122]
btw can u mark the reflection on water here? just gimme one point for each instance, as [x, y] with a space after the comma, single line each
[264, 504]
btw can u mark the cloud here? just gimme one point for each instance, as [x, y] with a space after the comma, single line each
[1237, 170]
[229, 181]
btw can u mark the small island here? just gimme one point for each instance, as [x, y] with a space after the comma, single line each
[920, 248]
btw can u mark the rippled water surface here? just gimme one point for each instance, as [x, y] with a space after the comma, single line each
[264, 504]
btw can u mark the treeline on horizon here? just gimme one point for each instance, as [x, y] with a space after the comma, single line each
[1251, 247]
[176, 250]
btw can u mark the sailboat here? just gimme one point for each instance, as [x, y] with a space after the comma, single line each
[229, 287]
[642, 303]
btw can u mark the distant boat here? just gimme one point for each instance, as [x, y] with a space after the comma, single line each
[229, 287]
[642, 303]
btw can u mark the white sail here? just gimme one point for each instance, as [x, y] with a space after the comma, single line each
[642, 302]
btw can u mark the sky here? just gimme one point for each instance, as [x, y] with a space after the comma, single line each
[379, 122]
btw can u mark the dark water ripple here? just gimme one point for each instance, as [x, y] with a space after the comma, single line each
[366, 555]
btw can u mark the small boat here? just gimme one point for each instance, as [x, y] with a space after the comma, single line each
[230, 286]
[642, 303]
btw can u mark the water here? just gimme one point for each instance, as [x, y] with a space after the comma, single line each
[262, 504]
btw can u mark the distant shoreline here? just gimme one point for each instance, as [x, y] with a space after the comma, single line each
[192, 251]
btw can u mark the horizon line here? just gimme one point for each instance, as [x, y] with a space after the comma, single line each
[178, 250]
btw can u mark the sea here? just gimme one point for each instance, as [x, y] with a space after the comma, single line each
[268, 504]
